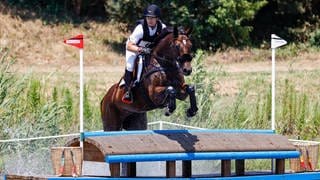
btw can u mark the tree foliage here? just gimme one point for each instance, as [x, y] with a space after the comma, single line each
[294, 20]
[216, 23]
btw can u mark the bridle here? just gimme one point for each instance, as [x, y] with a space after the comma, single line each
[179, 59]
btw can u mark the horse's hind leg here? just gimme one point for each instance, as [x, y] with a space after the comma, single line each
[136, 121]
[193, 101]
[110, 116]
[111, 122]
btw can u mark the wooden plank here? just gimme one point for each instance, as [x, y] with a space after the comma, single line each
[197, 142]
[170, 169]
[225, 168]
[240, 167]
[91, 150]
[115, 169]
[186, 169]
[280, 166]
[132, 169]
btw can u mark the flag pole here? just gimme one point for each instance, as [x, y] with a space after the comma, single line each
[273, 90]
[77, 41]
[276, 42]
[81, 98]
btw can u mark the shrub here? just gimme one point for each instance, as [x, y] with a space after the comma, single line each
[315, 38]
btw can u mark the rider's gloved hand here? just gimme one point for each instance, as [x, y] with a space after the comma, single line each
[144, 50]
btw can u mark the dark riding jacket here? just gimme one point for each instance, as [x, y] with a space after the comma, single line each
[147, 39]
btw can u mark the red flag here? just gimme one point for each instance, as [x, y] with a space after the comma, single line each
[76, 41]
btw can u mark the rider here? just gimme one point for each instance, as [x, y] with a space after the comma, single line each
[137, 43]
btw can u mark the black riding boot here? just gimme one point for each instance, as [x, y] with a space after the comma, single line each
[127, 97]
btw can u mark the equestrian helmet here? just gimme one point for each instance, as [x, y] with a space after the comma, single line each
[152, 11]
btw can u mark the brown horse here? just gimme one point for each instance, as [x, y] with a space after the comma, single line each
[161, 83]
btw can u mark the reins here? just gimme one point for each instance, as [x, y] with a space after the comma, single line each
[166, 61]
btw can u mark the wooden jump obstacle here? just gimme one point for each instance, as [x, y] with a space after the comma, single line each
[186, 145]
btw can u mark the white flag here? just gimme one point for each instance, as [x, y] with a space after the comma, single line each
[277, 41]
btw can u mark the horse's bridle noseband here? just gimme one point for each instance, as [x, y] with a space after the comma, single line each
[184, 58]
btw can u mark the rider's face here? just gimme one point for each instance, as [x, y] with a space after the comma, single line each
[151, 21]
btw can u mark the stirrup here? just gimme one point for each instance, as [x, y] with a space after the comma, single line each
[127, 98]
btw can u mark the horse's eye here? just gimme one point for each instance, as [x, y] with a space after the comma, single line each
[178, 46]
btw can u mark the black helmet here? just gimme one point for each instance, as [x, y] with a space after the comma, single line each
[152, 10]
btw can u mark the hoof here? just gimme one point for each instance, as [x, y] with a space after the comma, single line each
[191, 113]
[167, 112]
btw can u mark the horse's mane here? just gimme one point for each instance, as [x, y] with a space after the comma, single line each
[162, 35]
[165, 32]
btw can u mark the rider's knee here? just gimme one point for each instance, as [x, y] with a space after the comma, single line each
[130, 59]
[130, 65]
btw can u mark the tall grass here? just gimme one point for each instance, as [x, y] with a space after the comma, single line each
[32, 107]
[28, 110]
[299, 116]
[26, 100]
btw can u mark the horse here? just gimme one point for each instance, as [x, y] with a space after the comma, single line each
[161, 84]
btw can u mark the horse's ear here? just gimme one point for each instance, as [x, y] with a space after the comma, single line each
[175, 32]
[188, 30]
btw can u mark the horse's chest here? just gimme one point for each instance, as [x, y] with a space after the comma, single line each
[166, 79]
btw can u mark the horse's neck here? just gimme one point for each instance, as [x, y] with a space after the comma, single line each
[164, 56]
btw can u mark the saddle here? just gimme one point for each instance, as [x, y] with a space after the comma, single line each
[141, 62]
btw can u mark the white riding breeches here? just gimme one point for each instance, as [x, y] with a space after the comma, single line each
[130, 57]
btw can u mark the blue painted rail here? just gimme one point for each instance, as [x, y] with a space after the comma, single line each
[291, 176]
[287, 176]
[202, 156]
[175, 131]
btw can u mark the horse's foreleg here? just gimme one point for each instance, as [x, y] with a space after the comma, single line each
[171, 94]
[193, 101]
